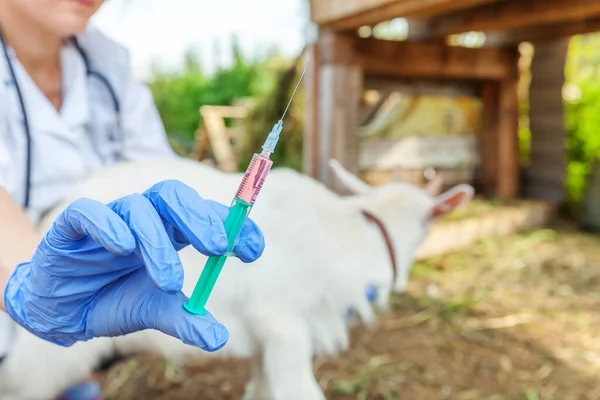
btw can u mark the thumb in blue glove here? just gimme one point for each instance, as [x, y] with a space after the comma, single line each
[109, 270]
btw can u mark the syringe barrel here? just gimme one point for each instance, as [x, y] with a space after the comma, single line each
[253, 180]
[243, 201]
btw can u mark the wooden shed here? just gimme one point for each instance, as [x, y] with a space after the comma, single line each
[342, 64]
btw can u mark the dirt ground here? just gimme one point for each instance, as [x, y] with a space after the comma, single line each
[509, 318]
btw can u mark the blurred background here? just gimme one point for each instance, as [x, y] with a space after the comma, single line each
[504, 302]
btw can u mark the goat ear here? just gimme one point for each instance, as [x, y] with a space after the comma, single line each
[450, 200]
[348, 179]
[434, 187]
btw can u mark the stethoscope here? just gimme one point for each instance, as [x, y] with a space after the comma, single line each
[89, 72]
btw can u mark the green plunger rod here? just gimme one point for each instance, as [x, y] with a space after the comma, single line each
[233, 224]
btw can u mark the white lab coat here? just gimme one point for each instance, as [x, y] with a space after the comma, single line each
[63, 151]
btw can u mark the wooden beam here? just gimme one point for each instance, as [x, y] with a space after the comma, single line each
[323, 12]
[543, 33]
[514, 15]
[352, 14]
[423, 87]
[421, 59]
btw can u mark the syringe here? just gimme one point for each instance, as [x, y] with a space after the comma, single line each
[244, 199]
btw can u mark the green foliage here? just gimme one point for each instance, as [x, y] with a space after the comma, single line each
[582, 116]
[581, 98]
[179, 95]
[532, 395]
[267, 111]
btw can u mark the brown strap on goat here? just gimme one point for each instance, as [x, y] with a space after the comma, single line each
[388, 241]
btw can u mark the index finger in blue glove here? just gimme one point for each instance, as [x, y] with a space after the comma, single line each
[250, 242]
[182, 207]
[87, 217]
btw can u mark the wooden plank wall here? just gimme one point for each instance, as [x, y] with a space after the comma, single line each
[544, 178]
[546, 23]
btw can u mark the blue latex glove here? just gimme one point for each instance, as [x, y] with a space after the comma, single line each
[109, 270]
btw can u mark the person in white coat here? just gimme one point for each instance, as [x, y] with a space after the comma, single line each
[69, 106]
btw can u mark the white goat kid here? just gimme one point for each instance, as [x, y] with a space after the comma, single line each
[282, 310]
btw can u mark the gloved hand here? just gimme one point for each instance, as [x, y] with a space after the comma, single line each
[109, 270]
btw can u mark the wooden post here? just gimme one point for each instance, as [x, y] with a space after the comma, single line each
[311, 113]
[500, 135]
[340, 90]
[545, 174]
[508, 134]
[489, 138]
[508, 140]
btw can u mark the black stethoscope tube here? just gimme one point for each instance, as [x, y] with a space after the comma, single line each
[25, 121]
